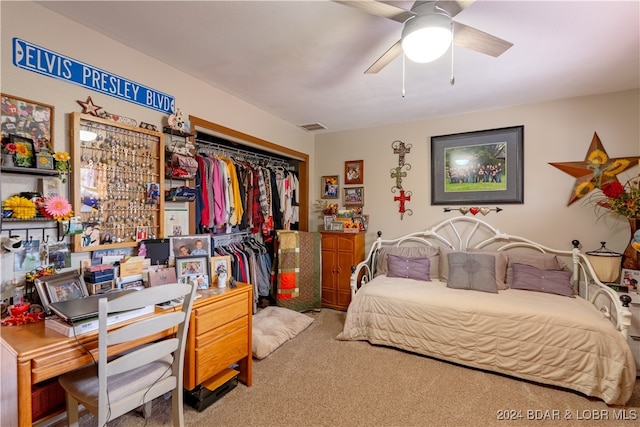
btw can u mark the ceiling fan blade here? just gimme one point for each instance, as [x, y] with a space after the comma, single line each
[384, 10]
[474, 39]
[386, 57]
[454, 7]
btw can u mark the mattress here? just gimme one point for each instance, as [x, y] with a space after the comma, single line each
[535, 336]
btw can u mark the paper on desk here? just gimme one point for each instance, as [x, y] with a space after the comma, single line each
[131, 268]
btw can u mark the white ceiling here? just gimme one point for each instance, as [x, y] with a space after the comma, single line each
[304, 61]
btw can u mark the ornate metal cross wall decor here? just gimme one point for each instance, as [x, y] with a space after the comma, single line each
[402, 198]
[398, 175]
[401, 149]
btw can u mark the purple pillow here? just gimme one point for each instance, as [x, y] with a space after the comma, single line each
[409, 268]
[530, 278]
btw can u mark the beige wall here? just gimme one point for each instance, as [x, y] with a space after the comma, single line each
[38, 25]
[556, 131]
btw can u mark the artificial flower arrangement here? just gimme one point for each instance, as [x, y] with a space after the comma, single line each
[62, 163]
[54, 207]
[623, 200]
[18, 207]
[617, 198]
[22, 154]
[9, 148]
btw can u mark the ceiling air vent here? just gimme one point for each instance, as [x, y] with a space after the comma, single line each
[313, 126]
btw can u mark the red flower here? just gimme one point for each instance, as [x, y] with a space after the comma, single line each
[612, 190]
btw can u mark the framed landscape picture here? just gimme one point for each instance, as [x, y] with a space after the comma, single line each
[478, 167]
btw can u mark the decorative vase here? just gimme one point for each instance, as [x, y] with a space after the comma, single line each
[631, 257]
[7, 160]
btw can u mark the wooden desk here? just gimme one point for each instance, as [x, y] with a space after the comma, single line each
[32, 353]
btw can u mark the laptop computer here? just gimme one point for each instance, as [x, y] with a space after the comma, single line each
[75, 310]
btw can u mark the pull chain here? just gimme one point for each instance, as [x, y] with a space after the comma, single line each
[403, 70]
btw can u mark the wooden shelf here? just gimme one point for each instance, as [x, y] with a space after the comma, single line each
[29, 171]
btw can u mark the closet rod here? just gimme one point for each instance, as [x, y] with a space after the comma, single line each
[208, 146]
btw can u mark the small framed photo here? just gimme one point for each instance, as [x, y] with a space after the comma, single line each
[24, 151]
[61, 287]
[189, 267]
[198, 244]
[201, 281]
[337, 226]
[153, 193]
[354, 196]
[362, 220]
[328, 219]
[629, 279]
[220, 265]
[330, 188]
[354, 172]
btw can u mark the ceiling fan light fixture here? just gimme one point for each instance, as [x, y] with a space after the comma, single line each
[426, 38]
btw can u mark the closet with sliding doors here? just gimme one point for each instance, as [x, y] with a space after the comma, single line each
[246, 189]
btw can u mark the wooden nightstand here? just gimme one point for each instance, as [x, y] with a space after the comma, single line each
[340, 251]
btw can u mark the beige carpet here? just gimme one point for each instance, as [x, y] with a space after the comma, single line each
[315, 380]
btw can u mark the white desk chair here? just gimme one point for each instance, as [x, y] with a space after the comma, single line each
[127, 380]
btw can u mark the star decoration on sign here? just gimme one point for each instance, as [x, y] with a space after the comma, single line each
[596, 169]
[88, 107]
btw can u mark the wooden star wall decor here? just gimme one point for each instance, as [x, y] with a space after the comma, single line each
[88, 107]
[596, 169]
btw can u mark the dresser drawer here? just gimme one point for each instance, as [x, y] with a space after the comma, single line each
[220, 312]
[218, 349]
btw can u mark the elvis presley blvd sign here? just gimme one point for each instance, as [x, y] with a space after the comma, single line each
[34, 58]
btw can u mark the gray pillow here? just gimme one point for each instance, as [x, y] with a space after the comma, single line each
[410, 252]
[530, 278]
[475, 271]
[500, 267]
[409, 268]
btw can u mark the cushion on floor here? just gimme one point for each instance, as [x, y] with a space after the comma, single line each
[273, 326]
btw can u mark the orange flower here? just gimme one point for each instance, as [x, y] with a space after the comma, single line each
[22, 149]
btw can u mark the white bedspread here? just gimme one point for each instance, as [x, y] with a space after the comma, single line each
[536, 336]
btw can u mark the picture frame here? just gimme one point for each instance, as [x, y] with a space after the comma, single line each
[456, 177]
[28, 119]
[176, 221]
[196, 244]
[193, 268]
[630, 280]
[25, 155]
[60, 287]
[363, 220]
[330, 188]
[353, 196]
[337, 226]
[354, 172]
[220, 264]
[328, 219]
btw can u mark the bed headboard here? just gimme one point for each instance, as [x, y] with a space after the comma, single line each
[470, 233]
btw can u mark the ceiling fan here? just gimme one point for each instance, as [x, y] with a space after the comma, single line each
[432, 18]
